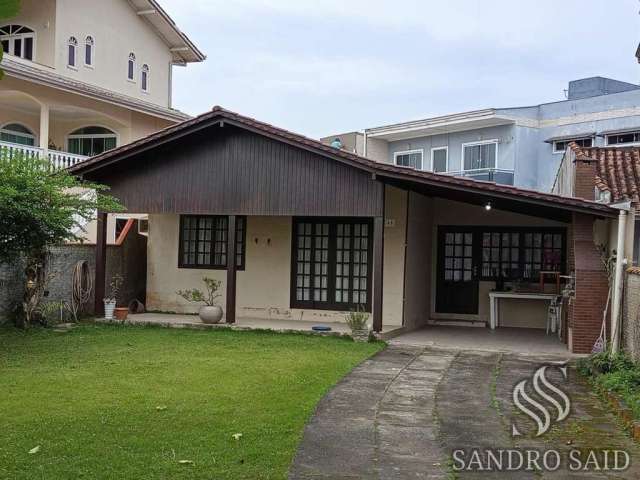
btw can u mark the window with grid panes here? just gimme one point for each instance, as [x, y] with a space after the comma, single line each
[331, 264]
[458, 257]
[542, 251]
[500, 254]
[203, 241]
[521, 253]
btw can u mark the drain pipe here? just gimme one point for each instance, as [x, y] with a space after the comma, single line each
[621, 261]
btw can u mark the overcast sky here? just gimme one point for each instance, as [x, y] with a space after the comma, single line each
[319, 67]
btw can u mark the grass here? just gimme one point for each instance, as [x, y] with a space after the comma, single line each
[114, 402]
[617, 374]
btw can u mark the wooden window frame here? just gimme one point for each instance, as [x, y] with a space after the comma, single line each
[241, 243]
[331, 304]
[521, 249]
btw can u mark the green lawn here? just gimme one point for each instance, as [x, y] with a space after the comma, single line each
[112, 402]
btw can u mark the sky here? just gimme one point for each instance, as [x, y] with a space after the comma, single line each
[329, 66]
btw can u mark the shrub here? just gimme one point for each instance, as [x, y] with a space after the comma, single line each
[357, 320]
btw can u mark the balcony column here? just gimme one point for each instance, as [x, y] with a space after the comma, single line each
[44, 129]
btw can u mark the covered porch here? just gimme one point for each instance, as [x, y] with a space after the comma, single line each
[301, 232]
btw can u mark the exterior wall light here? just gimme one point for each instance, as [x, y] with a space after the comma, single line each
[487, 206]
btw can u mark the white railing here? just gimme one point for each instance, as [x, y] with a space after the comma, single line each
[58, 159]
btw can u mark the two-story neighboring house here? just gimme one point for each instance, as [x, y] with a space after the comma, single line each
[520, 146]
[85, 76]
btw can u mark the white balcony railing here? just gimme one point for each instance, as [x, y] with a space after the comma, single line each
[58, 159]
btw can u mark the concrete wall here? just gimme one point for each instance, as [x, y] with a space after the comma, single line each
[504, 134]
[128, 260]
[263, 288]
[105, 22]
[55, 21]
[40, 16]
[631, 314]
[11, 289]
[418, 270]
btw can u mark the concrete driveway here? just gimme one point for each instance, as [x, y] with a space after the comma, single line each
[420, 413]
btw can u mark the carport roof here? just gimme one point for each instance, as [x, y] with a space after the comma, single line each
[457, 188]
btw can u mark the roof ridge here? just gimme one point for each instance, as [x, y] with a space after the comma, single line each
[319, 147]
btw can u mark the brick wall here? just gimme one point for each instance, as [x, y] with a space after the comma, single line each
[585, 180]
[591, 289]
[631, 314]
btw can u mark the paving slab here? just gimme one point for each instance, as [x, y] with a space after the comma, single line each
[404, 413]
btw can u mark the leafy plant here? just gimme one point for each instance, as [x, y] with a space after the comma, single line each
[617, 373]
[54, 312]
[357, 320]
[114, 287]
[197, 296]
[40, 207]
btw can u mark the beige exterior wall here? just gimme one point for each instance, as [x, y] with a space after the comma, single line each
[513, 312]
[106, 22]
[117, 31]
[418, 271]
[263, 288]
[68, 112]
[395, 212]
[39, 16]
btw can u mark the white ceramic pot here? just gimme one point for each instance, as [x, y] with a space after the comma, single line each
[109, 307]
[210, 314]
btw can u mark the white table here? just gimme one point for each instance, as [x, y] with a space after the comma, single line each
[493, 302]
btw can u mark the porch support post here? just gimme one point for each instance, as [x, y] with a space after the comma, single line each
[101, 263]
[44, 129]
[231, 269]
[378, 260]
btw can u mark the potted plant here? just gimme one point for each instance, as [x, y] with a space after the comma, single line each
[110, 301]
[357, 322]
[211, 311]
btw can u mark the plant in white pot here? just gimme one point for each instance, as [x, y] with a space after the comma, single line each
[211, 311]
[357, 322]
[114, 291]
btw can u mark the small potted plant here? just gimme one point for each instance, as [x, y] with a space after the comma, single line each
[211, 311]
[357, 322]
[110, 301]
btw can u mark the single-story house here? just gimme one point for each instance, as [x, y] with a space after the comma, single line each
[297, 229]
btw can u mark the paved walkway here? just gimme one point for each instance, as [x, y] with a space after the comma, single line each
[402, 414]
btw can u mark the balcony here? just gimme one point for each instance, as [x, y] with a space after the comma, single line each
[498, 175]
[58, 159]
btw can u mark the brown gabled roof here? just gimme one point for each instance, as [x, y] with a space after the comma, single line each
[219, 115]
[617, 170]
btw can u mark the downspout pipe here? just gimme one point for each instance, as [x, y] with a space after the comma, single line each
[618, 279]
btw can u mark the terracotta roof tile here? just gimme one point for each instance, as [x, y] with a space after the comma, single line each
[617, 170]
[383, 169]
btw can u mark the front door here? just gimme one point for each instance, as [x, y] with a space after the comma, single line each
[457, 274]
